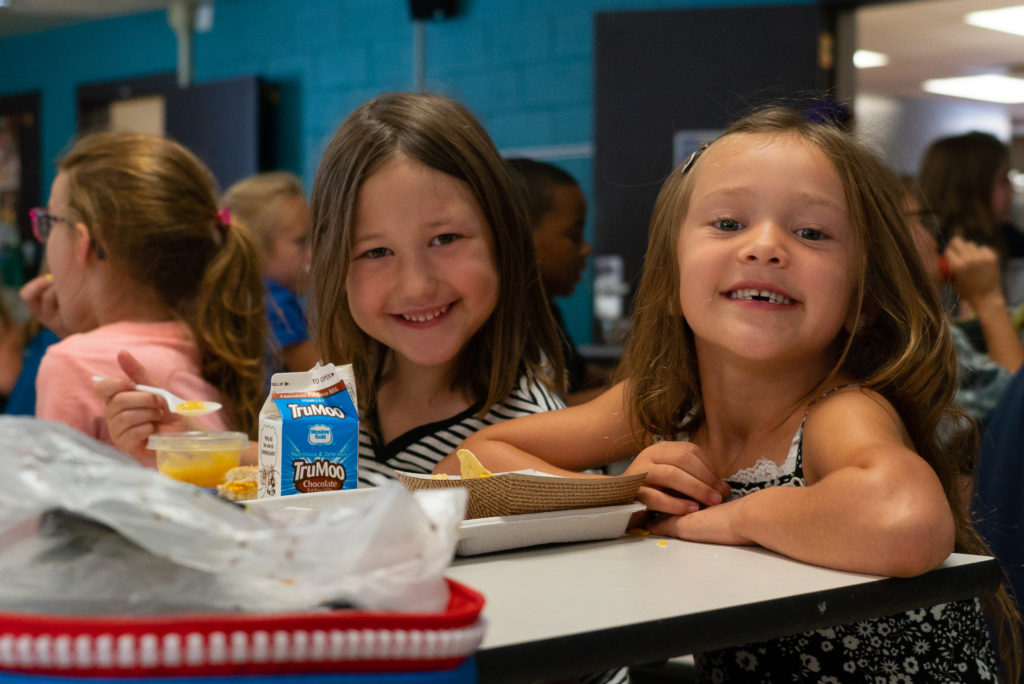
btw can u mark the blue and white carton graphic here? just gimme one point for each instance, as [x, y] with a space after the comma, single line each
[309, 433]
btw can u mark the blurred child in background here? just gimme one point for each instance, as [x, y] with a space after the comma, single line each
[965, 181]
[972, 270]
[558, 212]
[273, 206]
[142, 261]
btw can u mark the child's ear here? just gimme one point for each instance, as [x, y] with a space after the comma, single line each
[81, 242]
[84, 244]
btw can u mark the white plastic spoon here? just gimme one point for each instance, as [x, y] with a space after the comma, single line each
[176, 404]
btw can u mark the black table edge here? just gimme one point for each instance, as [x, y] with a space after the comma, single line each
[657, 640]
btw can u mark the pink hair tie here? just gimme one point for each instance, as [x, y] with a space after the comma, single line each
[224, 217]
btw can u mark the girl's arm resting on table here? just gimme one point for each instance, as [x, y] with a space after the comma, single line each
[871, 505]
[567, 441]
[561, 442]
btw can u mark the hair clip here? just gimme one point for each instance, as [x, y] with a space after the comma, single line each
[693, 158]
[224, 217]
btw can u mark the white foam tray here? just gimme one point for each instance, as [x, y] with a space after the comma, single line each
[485, 535]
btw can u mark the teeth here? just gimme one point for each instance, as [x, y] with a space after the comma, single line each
[760, 296]
[423, 318]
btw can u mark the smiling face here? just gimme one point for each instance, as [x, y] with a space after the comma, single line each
[423, 277]
[766, 251]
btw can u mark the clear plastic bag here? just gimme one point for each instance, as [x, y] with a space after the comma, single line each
[84, 529]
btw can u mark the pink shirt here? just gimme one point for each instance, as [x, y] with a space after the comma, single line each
[64, 385]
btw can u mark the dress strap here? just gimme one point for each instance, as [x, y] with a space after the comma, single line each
[796, 446]
[830, 392]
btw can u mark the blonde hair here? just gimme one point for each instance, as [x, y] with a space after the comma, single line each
[150, 206]
[900, 347]
[256, 201]
[520, 335]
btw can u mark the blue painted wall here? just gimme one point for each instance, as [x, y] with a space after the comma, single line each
[524, 67]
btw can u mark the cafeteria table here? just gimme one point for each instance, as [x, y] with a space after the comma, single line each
[566, 610]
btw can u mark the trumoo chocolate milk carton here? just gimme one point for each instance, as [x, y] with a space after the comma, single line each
[309, 433]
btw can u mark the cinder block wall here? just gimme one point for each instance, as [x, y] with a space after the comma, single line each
[524, 67]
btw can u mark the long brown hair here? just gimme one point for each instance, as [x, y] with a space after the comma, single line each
[900, 347]
[520, 335]
[957, 176]
[150, 205]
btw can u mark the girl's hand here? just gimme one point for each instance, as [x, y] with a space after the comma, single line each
[712, 526]
[679, 478]
[133, 416]
[976, 277]
[41, 298]
[975, 270]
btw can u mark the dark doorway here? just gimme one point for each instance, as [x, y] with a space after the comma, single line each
[223, 122]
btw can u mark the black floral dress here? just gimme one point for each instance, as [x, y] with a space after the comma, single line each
[945, 643]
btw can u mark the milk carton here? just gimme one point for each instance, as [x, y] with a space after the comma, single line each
[309, 433]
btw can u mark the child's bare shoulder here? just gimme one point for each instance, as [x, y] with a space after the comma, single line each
[849, 424]
[852, 404]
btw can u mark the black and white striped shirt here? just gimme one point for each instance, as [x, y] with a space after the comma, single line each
[419, 450]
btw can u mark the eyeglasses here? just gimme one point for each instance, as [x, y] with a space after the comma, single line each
[42, 222]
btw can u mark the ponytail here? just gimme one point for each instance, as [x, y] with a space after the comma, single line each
[150, 203]
[229, 325]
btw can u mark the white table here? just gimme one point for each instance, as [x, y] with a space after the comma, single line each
[565, 610]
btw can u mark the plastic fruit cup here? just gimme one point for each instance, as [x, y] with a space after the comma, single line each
[199, 458]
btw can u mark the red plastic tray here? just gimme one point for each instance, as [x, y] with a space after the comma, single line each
[219, 644]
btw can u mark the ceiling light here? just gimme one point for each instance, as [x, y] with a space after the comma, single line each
[866, 59]
[990, 88]
[1007, 19]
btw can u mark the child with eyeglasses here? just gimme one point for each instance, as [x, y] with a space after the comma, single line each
[142, 261]
[972, 270]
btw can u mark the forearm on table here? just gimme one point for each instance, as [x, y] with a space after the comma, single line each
[850, 521]
[566, 441]
[1001, 337]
